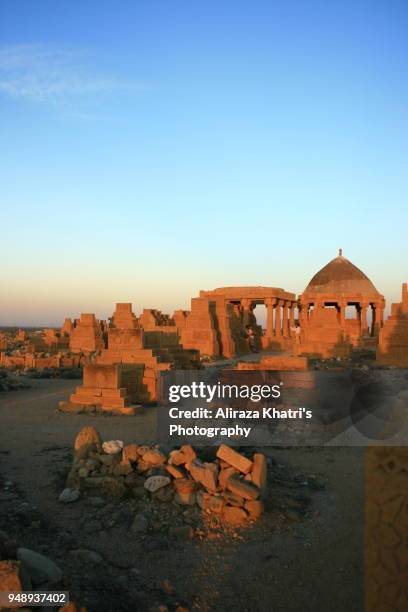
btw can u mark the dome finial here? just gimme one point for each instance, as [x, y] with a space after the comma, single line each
[340, 252]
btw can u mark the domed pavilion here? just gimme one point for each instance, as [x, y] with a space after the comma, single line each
[341, 297]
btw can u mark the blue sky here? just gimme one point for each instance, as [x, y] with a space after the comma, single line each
[152, 149]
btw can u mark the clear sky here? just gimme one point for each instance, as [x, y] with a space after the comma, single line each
[151, 148]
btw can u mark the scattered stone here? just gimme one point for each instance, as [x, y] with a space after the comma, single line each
[130, 453]
[69, 495]
[185, 492]
[154, 457]
[245, 489]
[175, 471]
[211, 503]
[40, 568]
[154, 483]
[232, 499]
[224, 474]
[185, 454]
[254, 507]
[234, 516]
[204, 473]
[259, 470]
[87, 440]
[112, 447]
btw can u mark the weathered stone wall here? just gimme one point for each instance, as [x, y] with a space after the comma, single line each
[393, 339]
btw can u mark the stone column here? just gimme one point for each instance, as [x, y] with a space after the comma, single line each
[269, 318]
[291, 318]
[363, 319]
[246, 314]
[342, 310]
[374, 320]
[285, 319]
[278, 320]
[380, 317]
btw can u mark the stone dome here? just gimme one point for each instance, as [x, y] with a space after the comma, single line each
[340, 276]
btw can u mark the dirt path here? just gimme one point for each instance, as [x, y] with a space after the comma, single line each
[296, 558]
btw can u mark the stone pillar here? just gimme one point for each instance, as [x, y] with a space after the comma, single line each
[374, 320]
[269, 318]
[291, 318]
[278, 320]
[363, 319]
[342, 310]
[285, 320]
[246, 314]
[380, 317]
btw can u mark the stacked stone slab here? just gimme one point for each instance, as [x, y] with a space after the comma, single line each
[154, 351]
[393, 340]
[109, 387]
[198, 327]
[230, 487]
[324, 337]
[124, 317]
[87, 335]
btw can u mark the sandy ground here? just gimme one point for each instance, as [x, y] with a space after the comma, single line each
[305, 554]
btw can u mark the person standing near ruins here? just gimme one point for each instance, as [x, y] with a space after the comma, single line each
[251, 339]
[297, 331]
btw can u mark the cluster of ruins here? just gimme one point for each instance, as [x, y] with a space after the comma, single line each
[340, 310]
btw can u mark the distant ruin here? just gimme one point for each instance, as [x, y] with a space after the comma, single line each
[326, 330]
[339, 311]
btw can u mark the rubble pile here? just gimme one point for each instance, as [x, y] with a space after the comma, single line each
[231, 486]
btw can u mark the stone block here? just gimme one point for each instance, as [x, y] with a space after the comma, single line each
[154, 456]
[176, 471]
[254, 507]
[185, 454]
[101, 376]
[236, 460]
[241, 487]
[259, 470]
[211, 503]
[204, 473]
[234, 516]
[224, 474]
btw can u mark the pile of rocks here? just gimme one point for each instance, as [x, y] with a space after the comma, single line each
[231, 486]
